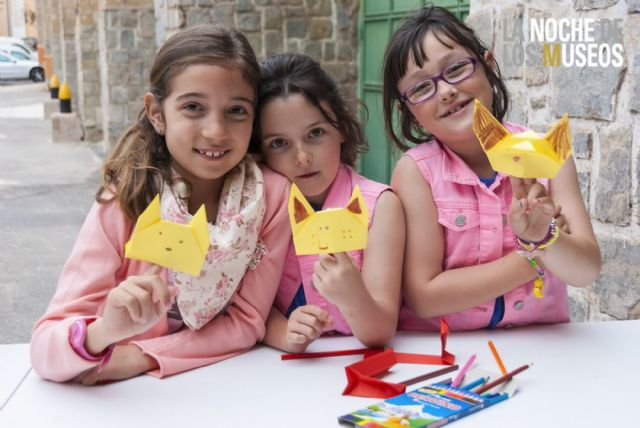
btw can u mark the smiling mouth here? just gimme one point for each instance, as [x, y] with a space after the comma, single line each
[456, 109]
[311, 174]
[212, 154]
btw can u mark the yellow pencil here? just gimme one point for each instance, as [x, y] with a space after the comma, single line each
[497, 357]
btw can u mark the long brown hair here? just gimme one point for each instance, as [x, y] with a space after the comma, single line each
[294, 73]
[140, 160]
[407, 42]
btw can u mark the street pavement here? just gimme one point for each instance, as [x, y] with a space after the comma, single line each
[46, 189]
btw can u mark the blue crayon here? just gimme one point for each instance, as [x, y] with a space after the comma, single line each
[475, 383]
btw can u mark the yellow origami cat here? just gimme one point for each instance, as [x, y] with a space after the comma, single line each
[526, 154]
[181, 247]
[333, 230]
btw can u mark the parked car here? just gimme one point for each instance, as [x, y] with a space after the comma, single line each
[12, 68]
[13, 43]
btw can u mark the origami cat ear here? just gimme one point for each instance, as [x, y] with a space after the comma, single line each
[200, 228]
[560, 138]
[357, 205]
[299, 207]
[150, 216]
[486, 127]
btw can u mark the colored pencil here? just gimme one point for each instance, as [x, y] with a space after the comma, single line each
[475, 383]
[494, 351]
[463, 370]
[305, 355]
[430, 375]
[502, 379]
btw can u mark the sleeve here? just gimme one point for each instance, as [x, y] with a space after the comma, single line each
[88, 275]
[242, 324]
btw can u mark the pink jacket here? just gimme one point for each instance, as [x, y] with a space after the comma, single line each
[298, 269]
[97, 264]
[476, 231]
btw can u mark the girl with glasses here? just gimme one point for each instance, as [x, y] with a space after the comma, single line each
[462, 217]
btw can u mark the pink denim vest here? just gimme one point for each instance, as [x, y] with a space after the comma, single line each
[298, 269]
[476, 231]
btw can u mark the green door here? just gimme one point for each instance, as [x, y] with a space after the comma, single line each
[378, 19]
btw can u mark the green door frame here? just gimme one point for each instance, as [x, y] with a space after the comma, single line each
[377, 20]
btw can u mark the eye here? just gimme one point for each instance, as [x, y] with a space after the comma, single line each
[181, 241]
[159, 233]
[421, 88]
[238, 111]
[192, 107]
[277, 143]
[316, 133]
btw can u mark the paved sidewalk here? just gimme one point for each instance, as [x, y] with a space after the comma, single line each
[46, 190]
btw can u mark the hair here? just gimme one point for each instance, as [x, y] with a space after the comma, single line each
[285, 74]
[140, 161]
[407, 42]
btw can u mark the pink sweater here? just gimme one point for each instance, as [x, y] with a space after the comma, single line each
[97, 264]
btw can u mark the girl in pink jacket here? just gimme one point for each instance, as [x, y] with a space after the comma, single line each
[307, 133]
[464, 220]
[114, 318]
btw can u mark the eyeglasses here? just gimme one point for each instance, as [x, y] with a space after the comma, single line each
[453, 74]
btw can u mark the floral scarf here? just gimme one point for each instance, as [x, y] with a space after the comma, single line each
[233, 238]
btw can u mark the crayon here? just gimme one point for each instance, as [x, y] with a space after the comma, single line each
[463, 370]
[494, 351]
[430, 375]
[502, 379]
[475, 383]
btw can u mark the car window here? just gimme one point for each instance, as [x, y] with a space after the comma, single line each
[4, 58]
[21, 48]
[19, 55]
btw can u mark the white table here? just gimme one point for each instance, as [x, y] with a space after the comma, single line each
[14, 367]
[584, 374]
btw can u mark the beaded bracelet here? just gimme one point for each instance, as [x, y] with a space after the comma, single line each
[529, 247]
[547, 241]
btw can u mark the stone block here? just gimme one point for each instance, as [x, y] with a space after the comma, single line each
[510, 41]
[273, 18]
[319, 7]
[296, 27]
[320, 28]
[248, 21]
[633, 5]
[66, 128]
[592, 4]
[482, 24]
[613, 184]
[618, 286]
[50, 107]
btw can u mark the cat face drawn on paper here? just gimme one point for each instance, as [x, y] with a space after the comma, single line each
[526, 154]
[333, 230]
[180, 247]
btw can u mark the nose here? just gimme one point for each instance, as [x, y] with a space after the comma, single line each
[214, 127]
[303, 157]
[445, 90]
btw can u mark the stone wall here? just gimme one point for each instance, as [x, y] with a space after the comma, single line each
[604, 105]
[323, 29]
[105, 48]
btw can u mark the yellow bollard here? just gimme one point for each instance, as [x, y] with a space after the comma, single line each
[54, 86]
[65, 98]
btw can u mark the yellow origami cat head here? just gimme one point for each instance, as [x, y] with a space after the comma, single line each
[524, 155]
[181, 247]
[333, 230]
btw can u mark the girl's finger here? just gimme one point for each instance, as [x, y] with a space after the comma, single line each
[317, 312]
[121, 298]
[518, 187]
[296, 338]
[545, 205]
[536, 191]
[144, 300]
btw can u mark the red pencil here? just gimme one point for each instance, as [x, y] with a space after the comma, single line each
[502, 379]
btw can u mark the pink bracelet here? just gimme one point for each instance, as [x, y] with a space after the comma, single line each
[77, 337]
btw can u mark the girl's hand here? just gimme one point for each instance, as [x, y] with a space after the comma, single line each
[305, 325]
[531, 209]
[132, 307]
[127, 361]
[335, 276]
